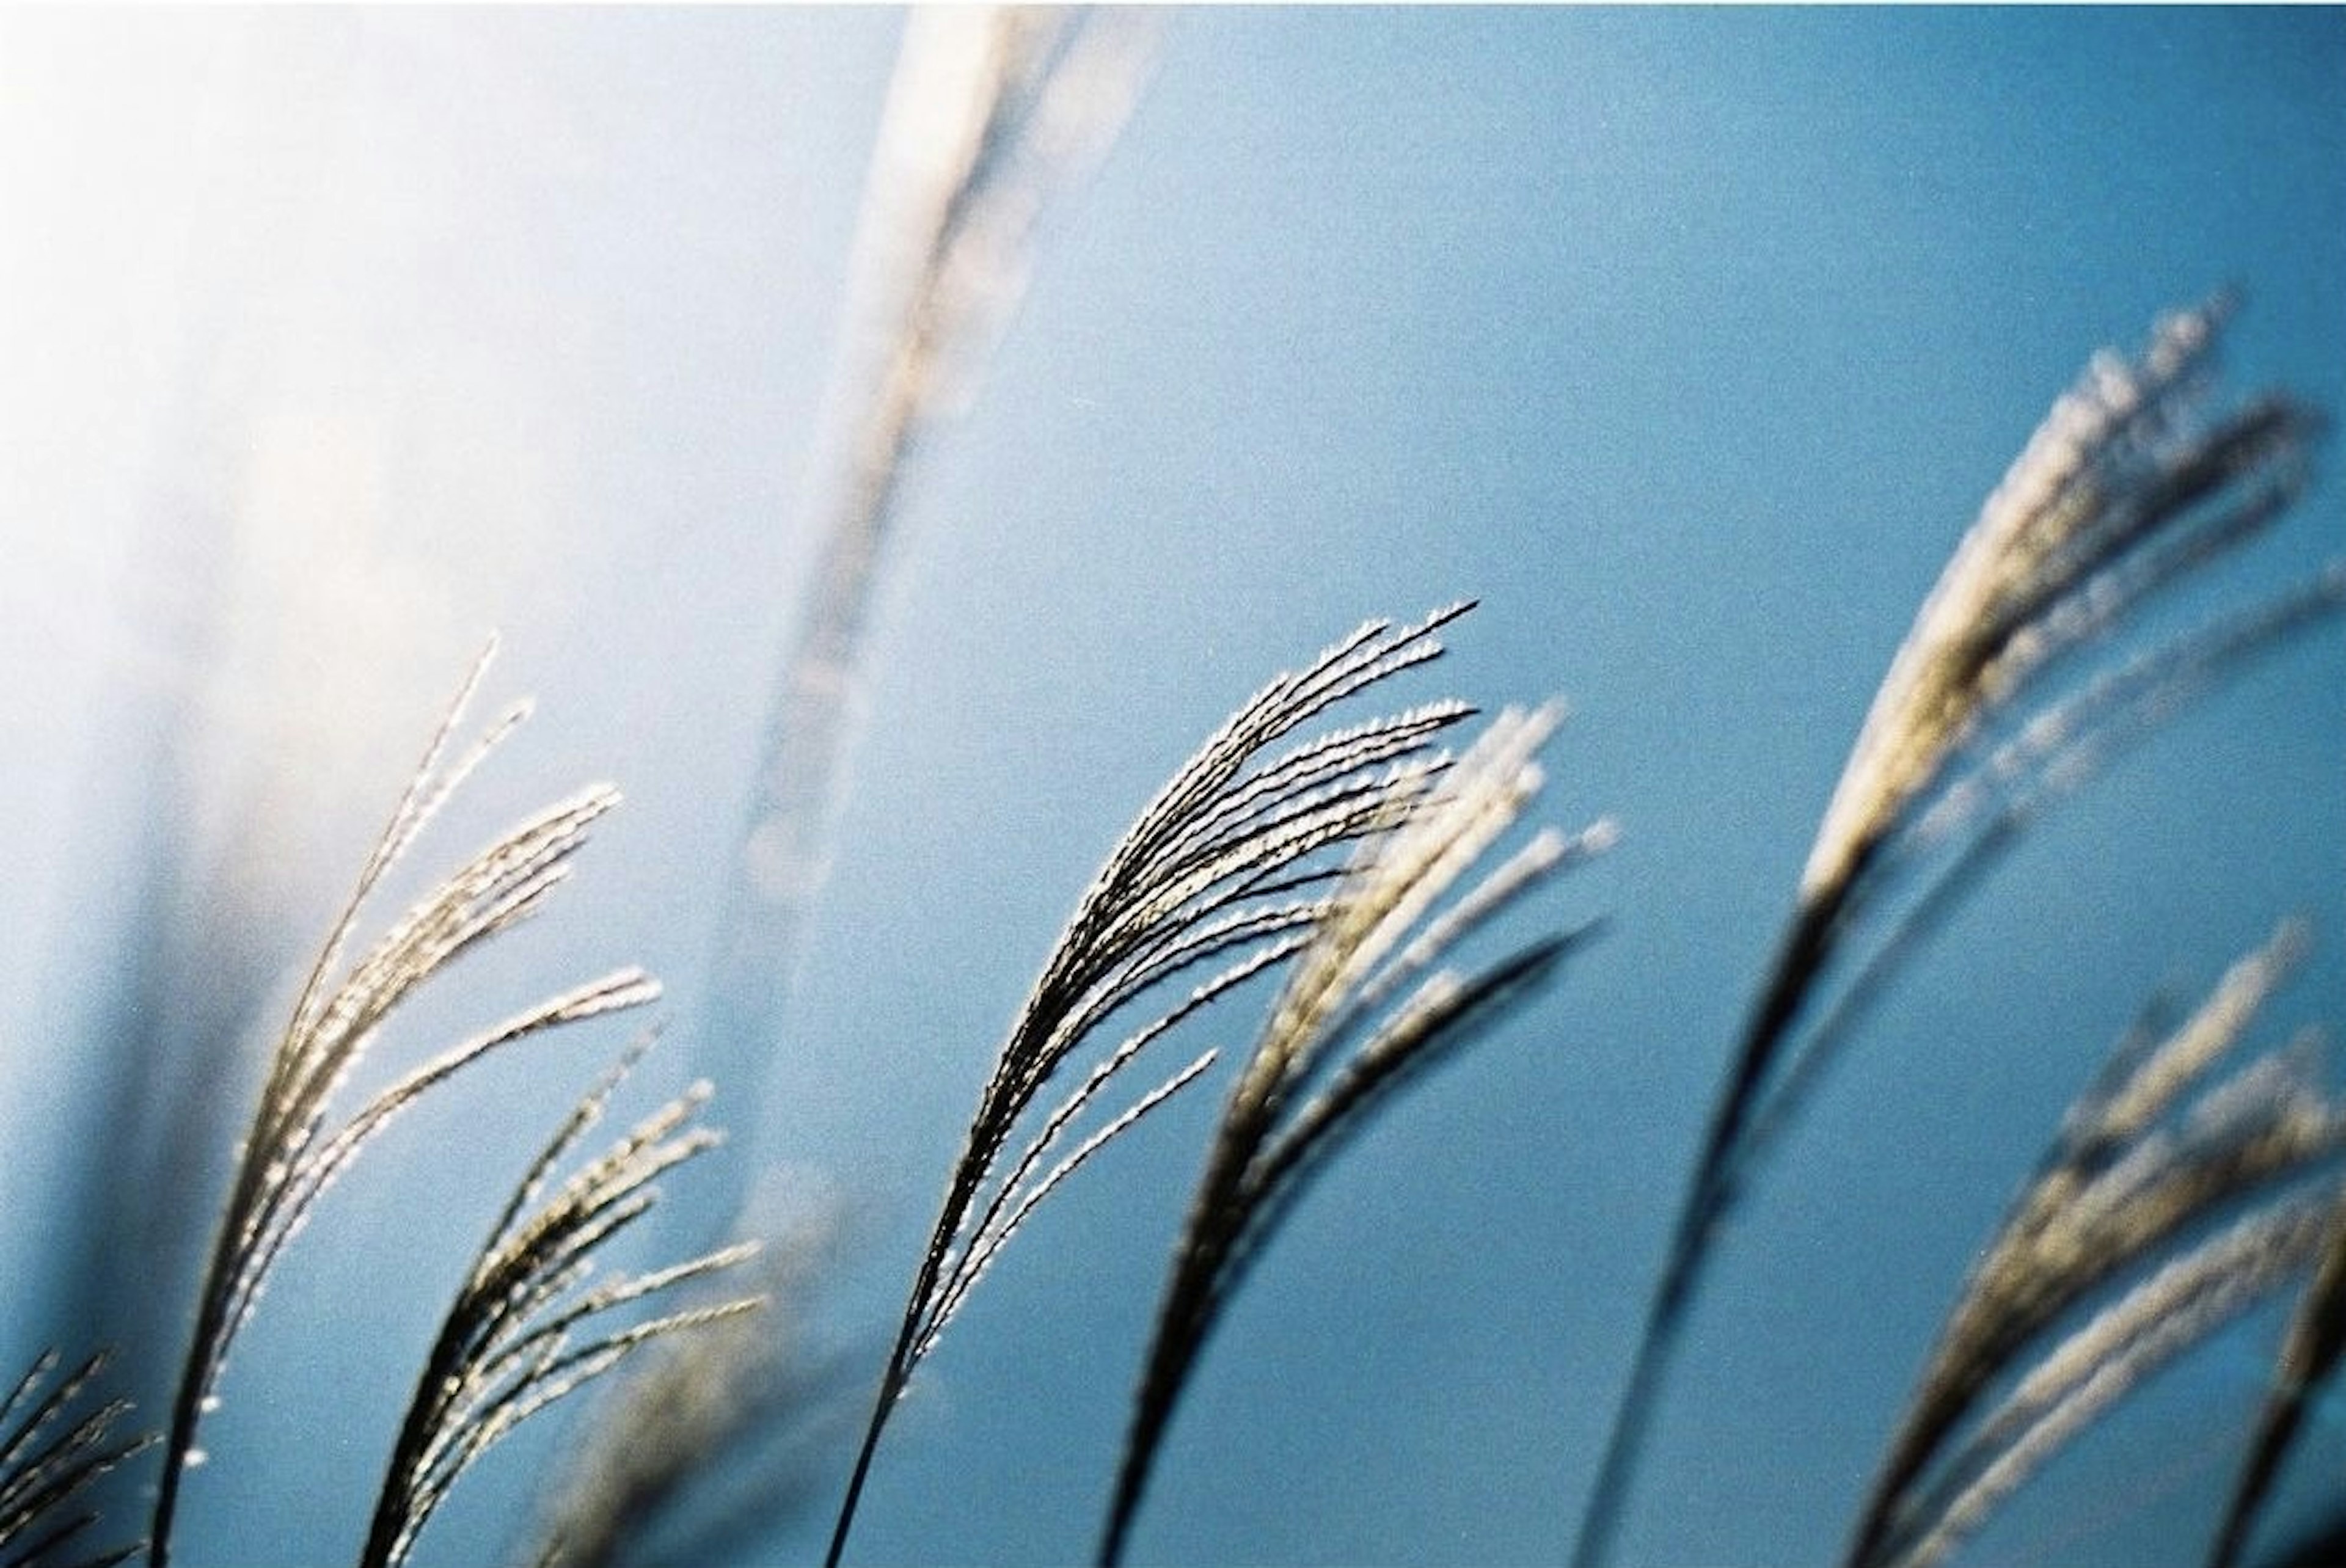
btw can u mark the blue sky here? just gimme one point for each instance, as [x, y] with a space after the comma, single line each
[1687, 341]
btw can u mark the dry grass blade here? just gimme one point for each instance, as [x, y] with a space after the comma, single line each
[2307, 1361]
[2133, 1173]
[1337, 1045]
[1225, 871]
[54, 1445]
[290, 1154]
[525, 1329]
[717, 1432]
[993, 111]
[2135, 481]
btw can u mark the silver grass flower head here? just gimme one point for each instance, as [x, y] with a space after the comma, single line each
[2092, 485]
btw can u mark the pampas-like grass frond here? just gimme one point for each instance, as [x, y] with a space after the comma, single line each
[524, 1329]
[2128, 485]
[2159, 1319]
[2128, 1178]
[2133, 482]
[1337, 1044]
[1226, 870]
[53, 1447]
[288, 1157]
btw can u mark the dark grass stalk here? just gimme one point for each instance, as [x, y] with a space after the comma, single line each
[1226, 872]
[1333, 1052]
[2321, 1545]
[2307, 1364]
[2129, 488]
